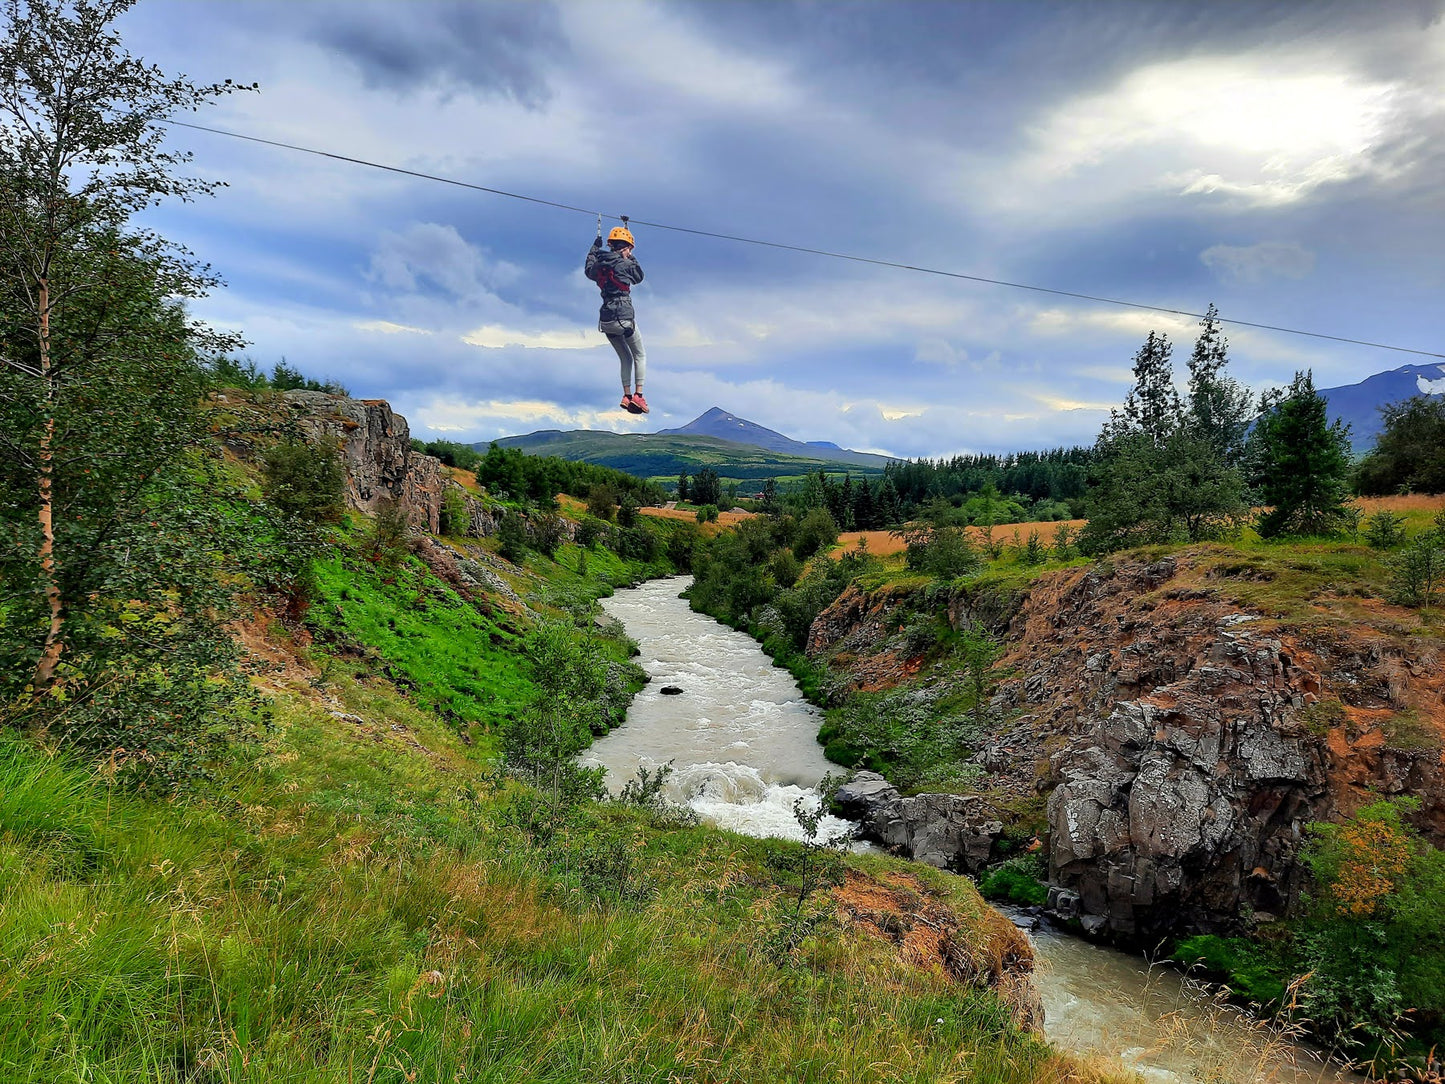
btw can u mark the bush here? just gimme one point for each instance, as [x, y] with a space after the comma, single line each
[590, 530]
[601, 500]
[635, 544]
[385, 541]
[454, 519]
[1418, 574]
[942, 552]
[1385, 530]
[512, 534]
[304, 481]
[1240, 964]
[707, 514]
[816, 531]
[1019, 880]
[627, 510]
[1374, 932]
[681, 545]
[546, 533]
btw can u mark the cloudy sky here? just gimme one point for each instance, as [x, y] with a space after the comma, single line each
[1283, 160]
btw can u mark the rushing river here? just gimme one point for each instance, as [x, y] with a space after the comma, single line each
[740, 736]
[741, 739]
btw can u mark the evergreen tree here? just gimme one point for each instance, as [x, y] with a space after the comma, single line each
[682, 485]
[864, 516]
[1162, 473]
[1219, 409]
[890, 508]
[1301, 462]
[770, 497]
[1153, 407]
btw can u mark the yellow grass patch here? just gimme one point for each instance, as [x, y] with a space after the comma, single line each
[885, 543]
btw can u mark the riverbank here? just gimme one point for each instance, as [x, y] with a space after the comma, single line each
[359, 895]
[740, 739]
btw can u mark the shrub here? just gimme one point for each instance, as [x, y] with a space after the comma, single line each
[512, 534]
[627, 510]
[681, 544]
[1017, 881]
[546, 533]
[454, 519]
[816, 532]
[1064, 541]
[1034, 552]
[1240, 964]
[1418, 572]
[1373, 933]
[304, 481]
[589, 531]
[385, 541]
[1385, 530]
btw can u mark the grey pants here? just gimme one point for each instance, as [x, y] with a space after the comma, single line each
[632, 355]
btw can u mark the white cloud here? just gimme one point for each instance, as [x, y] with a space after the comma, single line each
[1260, 130]
[1133, 323]
[386, 327]
[936, 351]
[494, 337]
[1256, 263]
[898, 413]
[659, 54]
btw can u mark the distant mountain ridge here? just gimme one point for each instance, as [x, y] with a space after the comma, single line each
[734, 447]
[1359, 404]
[716, 422]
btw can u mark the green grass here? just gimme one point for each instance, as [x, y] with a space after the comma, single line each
[463, 664]
[348, 907]
[349, 901]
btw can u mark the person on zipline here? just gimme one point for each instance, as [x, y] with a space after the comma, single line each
[616, 272]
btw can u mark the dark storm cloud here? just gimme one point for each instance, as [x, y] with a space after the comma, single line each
[501, 48]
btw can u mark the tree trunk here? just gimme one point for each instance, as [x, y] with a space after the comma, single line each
[50, 652]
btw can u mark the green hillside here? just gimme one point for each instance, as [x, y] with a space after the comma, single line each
[656, 455]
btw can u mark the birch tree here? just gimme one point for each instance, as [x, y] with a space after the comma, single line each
[83, 150]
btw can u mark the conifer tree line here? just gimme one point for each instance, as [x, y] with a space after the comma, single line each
[511, 473]
[1172, 467]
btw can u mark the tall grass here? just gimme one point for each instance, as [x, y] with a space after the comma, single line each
[349, 907]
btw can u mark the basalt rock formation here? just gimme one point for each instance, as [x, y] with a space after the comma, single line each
[1185, 741]
[951, 831]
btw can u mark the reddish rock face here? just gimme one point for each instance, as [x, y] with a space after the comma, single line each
[1174, 734]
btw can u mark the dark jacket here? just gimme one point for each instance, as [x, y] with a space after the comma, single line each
[615, 276]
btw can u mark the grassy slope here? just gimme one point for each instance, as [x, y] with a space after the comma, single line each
[348, 903]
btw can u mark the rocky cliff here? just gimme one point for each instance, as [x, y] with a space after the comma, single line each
[374, 442]
[1185, 741]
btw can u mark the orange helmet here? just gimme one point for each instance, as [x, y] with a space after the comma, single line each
[620, 233]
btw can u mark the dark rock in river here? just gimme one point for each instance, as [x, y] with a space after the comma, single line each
[671, 690]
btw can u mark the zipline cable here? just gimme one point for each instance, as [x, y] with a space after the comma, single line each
[801, 248]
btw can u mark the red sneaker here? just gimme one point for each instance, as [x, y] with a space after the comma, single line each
[626, 403]
[639, 404]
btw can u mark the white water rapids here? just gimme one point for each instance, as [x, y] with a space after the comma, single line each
[740, 736]
[742, 741]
